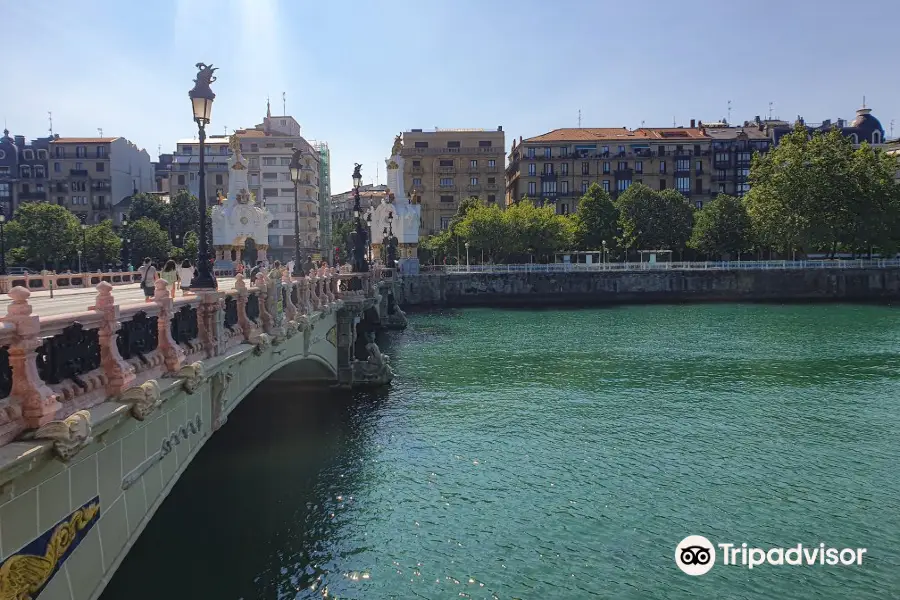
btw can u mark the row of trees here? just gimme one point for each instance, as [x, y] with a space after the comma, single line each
[48, 236]
[809, 194]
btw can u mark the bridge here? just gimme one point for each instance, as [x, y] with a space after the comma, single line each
[106, 401]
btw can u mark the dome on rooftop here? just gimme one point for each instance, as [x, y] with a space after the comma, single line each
[867, 124]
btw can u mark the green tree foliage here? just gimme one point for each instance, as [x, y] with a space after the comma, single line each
[182, 215]
[191, 247]
[44, 235]
[721, 227]
[596, 220]
[340, 237]
[150, 207]
[654, 220]
[103, 246]
[537, 232]
[148, 239]
[819, 194]
[486, 229]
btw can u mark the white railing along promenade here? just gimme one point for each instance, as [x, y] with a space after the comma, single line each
[747, 265]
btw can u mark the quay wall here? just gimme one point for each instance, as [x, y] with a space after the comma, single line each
[644, 287]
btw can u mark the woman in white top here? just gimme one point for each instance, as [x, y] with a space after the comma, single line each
[185, 274]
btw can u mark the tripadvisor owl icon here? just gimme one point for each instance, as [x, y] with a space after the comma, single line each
[695, 555]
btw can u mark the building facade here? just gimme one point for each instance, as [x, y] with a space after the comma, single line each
[324, 199]
[342, 204]
[9, 174]
[162, 171]
[864, 128]
[91, 175]
[732, 152]
[23, 171]
[559, 166]
[184, 170]
[445, 166]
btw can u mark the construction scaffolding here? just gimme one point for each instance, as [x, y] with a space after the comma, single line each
[324, 200]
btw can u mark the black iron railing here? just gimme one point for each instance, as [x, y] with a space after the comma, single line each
[184, 325]
[253, 307]
[69, 354]
[138, 337]
[231, 312]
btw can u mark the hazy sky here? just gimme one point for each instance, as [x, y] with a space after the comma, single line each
[356, 73]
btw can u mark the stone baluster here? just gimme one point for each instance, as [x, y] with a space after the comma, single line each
[336, 283]
[313, 300]
[290, 310]
[118, 372]
[171, 351]
[329, 284]
[265, 317]
[303, 296]
[243, 294]
[322, 288]
[37, 402]
[211, 322]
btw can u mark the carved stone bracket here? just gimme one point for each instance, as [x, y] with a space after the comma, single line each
[261, 341]
[69, 436]
[144, 399]
[220, 383]
[244, 321]
[375, 371]
[193, 375]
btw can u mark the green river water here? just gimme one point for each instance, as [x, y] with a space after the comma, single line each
[555, 454]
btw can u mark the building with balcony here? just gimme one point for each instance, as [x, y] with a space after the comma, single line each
[559, 166]
[23, 171]
[732, 151]
[324, 199]
[864, 128]
[162, 171]
[9, 173]
[342, 204]
[445, 166]
[184, 169]
[89, 176]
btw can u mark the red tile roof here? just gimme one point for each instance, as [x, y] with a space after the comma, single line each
[672, 133]
[587, 134]
[87, 140]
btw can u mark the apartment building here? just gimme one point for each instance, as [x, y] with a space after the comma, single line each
[91, 175]
[732, 151]
[342, 204]
[559, 166]
[445, 166]
[23, 171]
[324, 198]
[184, 169]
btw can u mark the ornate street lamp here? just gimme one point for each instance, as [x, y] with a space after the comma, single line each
[467, 256]
[202, 98]
[392, 247]
[360, 265]
[369, 228]
[84, 245]
[295, 177]
[2, 245]
[124, 256]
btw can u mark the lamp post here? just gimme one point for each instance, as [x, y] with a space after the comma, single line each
[84, 245]
[604, 254]
[391, 249]
[124, 256]
[2, 245]
[359, 242]
[369, 227]
[295, 177]
[467, 256]
[202, 98]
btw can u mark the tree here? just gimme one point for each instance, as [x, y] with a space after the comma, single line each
[596, 219]
[103, 246]
[486, 230]
[875, 209]
[721, 227]
[340, 237]
[148, 239]
[191, 247]
[45, 235]
[538, 232]
[183, 215]
[151, 207]
[654, 220]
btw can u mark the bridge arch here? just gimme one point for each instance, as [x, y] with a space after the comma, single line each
[310, 368]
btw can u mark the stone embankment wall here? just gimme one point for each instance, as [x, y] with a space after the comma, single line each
[520, 289]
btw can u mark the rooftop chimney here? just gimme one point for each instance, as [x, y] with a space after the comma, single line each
[499, 127]
[693, 123]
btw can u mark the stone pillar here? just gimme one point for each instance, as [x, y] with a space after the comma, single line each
[119, 373]
[303, 296]
[211, 322]
[288, 285]
[315, 303]
[171, 351]
[31, 402]
[345, 347]
[244, 322]
[237, 256]
[265, 317]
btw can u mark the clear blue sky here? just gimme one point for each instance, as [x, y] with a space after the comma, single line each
[357, 72]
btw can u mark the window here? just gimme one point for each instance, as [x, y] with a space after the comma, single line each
[80, 151]
[28, 154]
[548, 188]
[606, 167]
[25, 171]
[698, 204]
[563, 151]
[421, 144]
[743, 157]
[563, 187]
[287, 191]
[42, 155]
[743, 188]
[530, 153]
[547, 153]
[744, 172]
[4, 190]
[565, 168]
[662, 166]
[484, 144]
[698, 166]
[446, 181]
[662, 184]
[254, 147]
[417, 181]
[101, 201]
[621, 149]
[78, 186]
[696, 149]
[181, 180]
[473, 164]
[548, 168]
[446, 163]
[492, 180]
[39, 171]
[254, 162]
[473, 181]
[722, 157]
[453, 144]
[492, 164]
[622, 184]
[26, 188]
[532, 188]
[446, 199]
[79, 166]
[722, 187]
[60, 200]
[661, 150]
[417, 163]
[584, 186]
[492, 198]
[100, 167]
[586, 168]
[270, 192]
[854, 139]
[269, 161]
[876, 137]
[57, 167]
[218, 180]
[698, 186]
[445, 222]
[564, 208]
[683, 184]
[60, 152]
[285, 161]
[101, 151]
[683, 164]
[4, 170]
[532, 169]
[623, 165]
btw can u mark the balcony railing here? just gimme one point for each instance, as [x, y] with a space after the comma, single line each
[466, 150]
[473, 188]
[33, 196]
[78, 172]
[446, 169]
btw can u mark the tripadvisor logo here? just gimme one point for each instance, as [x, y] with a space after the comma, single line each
[696, 555]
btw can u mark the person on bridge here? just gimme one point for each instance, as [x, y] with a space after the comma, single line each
[148, 279]
[170, 276]
[185, 275]
[255, 271]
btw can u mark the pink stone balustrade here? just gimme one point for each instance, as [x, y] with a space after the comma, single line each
[112, 348]
[66, 281]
